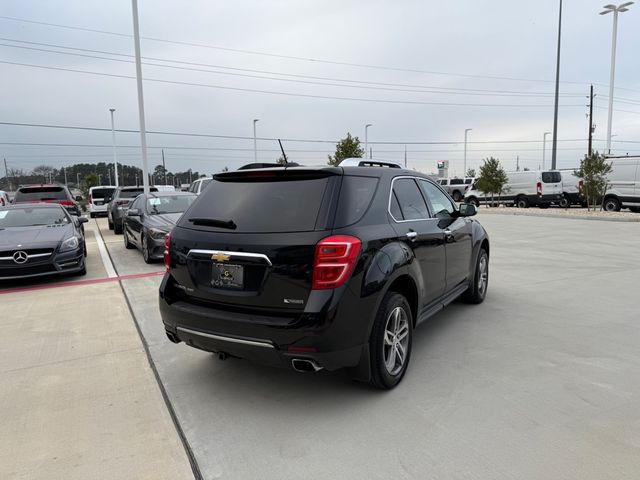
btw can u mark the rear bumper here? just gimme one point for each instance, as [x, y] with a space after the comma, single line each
[330, 336]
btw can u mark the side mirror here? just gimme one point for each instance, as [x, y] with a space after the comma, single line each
[82, 220]
[133, 212]
[78, 198]
[467, 210]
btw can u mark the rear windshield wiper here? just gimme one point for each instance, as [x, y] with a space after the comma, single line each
[212, 222]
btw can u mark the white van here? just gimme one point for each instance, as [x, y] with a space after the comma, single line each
[99, 196]
[571, 188]
[523, 189]
[623, 189]
[164, 188]
[198, 185]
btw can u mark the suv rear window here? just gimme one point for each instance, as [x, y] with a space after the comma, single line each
[355, 196]
[134, 193]
[102, 192]
[41, 193]
[261, 206]
[456, 181]
[551, 177]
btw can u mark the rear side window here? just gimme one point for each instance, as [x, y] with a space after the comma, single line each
[275, 206]
[355, 197]
[551, 177]
[468, 181]
[410, 199]
[456, 181]
[41, 193]
[204, 183]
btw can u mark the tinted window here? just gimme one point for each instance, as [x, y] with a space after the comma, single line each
[443, 181]
[25, 217]
[169, 204]
[133, 193]
[410, 199]
[29, 194]
[137, 203]
[395, 207]
[355, 197]
[440, 204]
[261, 206]
[468, 181]
[102, 192]
[205, 183]
[551, 177]
[456, 181]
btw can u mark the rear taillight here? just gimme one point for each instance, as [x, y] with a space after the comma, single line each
[90, 198]
[167, 251]
[539, 189]
[580, 185]
[335, 259]
[66, 203]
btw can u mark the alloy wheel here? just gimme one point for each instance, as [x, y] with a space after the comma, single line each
[483, 275]
[396, 341]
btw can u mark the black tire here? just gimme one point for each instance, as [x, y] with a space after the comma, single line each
[384, 347]
[477, 290]
[611, 204]
[565, 202]
[110, 223]
[145, 250]
[127, 244]
[84, 269]
[457, 196]
[117, 228]
[473, 201]
[84, 248]
[92, 215]
[522, 202]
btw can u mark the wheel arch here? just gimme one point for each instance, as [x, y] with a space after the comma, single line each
[405, 286]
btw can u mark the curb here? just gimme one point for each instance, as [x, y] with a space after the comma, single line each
[569, 216]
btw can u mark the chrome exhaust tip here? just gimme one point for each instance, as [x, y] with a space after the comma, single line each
[305, 365]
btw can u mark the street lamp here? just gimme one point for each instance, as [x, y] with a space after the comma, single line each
[464, 170]
[554, 143]
[366, 140]
[255, 144]
[608, 9]
[113, 141]
[78, 180]
[544, 147]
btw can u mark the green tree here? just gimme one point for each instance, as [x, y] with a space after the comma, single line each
[471, 172]
[593, 171]
[348, 147]
[90, 180]
[492, 178]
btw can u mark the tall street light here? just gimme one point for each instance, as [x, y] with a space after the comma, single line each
[78, 180]
[555, 104]
[608, 9]
[544, 147]
[366, 140]
[113, 141]
[255, 143]
[464, 171]
[143, 128]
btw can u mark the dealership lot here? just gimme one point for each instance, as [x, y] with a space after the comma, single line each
[540, 381]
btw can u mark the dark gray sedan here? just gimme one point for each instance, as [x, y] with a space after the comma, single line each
[40, 239]
[150, 217]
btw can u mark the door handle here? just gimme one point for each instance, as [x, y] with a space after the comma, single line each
[448, 236]
[412, 236]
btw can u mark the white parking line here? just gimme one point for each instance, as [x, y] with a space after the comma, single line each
[106, 261]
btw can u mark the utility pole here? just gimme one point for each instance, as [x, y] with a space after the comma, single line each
[113, 142]
[65, 175]
[590, 120]
[109, 175]
[190, 182]
[143, 128]
[370, 152]
[405, 156]
[554, 146]
[517, 163]
[6, 173]
[78, 180]
[164, 168]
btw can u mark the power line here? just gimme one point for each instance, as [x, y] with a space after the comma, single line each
[289, 94]
[287, 57]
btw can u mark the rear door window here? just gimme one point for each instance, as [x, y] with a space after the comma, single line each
[41, 193]
[275, 205]
[102, 192]
[456, 181]
[551, 177]
[355, 197]
[410, 200]
[440, 204]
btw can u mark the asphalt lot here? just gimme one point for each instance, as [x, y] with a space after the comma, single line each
[541, 381]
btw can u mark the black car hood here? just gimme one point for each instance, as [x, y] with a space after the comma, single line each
[165, 221]
[37, 236]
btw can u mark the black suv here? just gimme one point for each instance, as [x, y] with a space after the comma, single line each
[49, 194]
[119, 203]
[314, 268]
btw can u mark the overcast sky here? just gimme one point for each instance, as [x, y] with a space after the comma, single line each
[493, 63]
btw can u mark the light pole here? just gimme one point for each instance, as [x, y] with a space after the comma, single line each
[366, 140]
[544, 147]
[464, 170]
[607, 9]
[555, 104]
[255, 144]
[143, 128]
[78, 180]
[113, 141]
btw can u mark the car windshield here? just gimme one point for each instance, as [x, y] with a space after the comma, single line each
[30, 194]
[169, 204]
[28, 217]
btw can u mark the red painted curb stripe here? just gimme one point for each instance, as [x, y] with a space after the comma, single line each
[82, 282]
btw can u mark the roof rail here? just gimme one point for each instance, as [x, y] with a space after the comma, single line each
[367, 162]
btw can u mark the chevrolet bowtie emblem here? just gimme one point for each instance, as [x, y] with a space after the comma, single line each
[220, 257]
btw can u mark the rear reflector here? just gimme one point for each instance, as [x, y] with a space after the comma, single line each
[167, 251]
[335, 259]
[539, 189]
